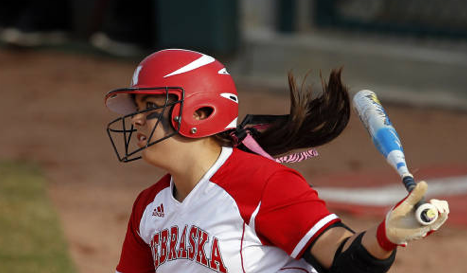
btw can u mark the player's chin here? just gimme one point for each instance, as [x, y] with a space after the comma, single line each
[149, 153]
[146, 156]
[151, 158]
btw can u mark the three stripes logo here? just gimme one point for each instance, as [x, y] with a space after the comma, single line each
[159, 211]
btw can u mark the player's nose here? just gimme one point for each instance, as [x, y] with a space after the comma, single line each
[138, 119]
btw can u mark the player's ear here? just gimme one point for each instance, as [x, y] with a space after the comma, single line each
[202, 113]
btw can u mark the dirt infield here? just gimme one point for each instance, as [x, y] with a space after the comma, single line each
[53, 113]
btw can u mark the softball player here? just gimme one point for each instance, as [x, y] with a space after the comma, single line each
[227, 204]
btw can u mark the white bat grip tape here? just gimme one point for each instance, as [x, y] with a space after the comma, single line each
[426, 214]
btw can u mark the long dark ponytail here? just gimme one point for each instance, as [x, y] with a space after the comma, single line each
[311, 122]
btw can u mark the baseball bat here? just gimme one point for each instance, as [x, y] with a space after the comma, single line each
[387, 141]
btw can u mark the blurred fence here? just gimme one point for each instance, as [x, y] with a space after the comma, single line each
[440, 18]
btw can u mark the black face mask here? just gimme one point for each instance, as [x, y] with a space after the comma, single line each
[122, 133]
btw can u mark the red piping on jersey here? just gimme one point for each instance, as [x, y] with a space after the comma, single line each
[241, 246]
[295, 268]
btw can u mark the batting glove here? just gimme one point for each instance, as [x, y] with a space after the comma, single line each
[401, 225]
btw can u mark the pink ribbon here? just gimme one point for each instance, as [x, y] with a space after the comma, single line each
[251, 144]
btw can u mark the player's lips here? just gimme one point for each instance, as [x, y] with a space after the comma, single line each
[141, 140]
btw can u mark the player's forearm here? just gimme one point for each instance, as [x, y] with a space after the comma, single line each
[370, 242]
[362, 253]
[357, 252]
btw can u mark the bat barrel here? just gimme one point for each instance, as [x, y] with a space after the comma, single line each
[387, 141]
[383, 134]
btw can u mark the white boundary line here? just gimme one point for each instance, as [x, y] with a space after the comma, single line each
[390, 195]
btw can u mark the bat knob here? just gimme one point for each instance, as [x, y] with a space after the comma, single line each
[426, 214]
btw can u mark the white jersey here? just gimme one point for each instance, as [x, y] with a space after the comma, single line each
[247, 214]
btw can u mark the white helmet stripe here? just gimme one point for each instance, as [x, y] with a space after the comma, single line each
[230, 96]
[223, 71]
[202, 61]
[233, 124]
[136, 75]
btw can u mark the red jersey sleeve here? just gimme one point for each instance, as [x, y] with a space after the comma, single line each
[136, 255]
[291, 215]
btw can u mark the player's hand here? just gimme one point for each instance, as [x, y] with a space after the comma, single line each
[401, 225]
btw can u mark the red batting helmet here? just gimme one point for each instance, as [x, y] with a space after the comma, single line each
[197, 80]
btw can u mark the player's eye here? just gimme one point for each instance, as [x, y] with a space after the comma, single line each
[151, 105]
[136, 107]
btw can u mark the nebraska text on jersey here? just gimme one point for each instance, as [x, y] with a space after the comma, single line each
[247, 214]
[171, 244]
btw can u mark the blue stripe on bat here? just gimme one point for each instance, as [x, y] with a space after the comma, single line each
[387, 140]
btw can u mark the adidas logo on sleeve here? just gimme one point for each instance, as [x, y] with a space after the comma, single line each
[159, 211]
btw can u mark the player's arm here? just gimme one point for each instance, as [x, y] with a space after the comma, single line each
[291, 216]
[136, 255]
[339, 250]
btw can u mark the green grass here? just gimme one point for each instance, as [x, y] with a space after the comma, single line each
[31, 239]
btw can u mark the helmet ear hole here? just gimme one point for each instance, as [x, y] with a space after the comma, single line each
[203, 113]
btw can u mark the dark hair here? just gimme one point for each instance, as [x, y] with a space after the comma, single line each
[311, 122]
